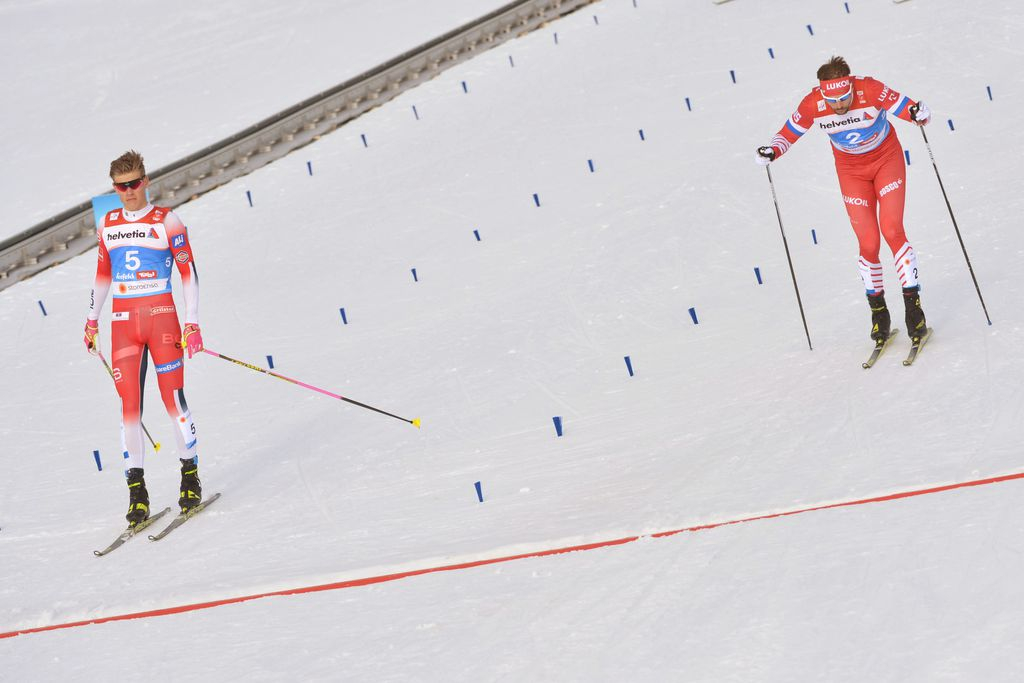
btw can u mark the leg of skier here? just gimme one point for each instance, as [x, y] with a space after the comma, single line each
[891, 189]
[169, 362]
[129, 361]
[859, 198]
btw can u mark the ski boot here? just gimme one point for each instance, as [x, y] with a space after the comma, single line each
[880, 320]
[916, 325]
[191, 489]
[138, 497]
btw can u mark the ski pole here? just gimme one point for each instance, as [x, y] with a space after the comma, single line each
[955, 226]
[156, 446]
[415, 422]
[788, 258]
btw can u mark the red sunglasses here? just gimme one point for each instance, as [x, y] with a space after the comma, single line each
[130, 185]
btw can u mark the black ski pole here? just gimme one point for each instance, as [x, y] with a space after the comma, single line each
[788, 258]
[156, 444]
[955, 226]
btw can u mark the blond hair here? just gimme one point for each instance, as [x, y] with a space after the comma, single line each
[127, 163]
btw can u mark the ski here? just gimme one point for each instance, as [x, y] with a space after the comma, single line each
[880, 347]
[129, 532]
[916, 347]
[184, 517]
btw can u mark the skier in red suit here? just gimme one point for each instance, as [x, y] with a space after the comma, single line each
[854, 111]
[137, 247]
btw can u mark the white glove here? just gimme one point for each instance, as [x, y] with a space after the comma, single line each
[764, 155]
[921, 114]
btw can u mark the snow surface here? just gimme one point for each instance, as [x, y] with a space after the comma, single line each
[94, 77]
[727, 419]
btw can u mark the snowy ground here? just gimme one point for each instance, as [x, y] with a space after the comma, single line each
[730, 418]
[84, 77]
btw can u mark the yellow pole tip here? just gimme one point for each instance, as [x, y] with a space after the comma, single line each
[416, 423]
[156, 447]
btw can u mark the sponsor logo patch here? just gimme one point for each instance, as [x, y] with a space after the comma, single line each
[119, 316]
[179, 241]
[182, 257]
[127, 235]
[159, 310]
[895, 185]
[168, 367]
[146, 274]
[856, 201]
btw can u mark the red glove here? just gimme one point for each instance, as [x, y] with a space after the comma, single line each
[192, 339]
[92, 330]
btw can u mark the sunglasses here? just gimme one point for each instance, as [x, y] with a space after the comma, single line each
[841, 98]
[130, 185]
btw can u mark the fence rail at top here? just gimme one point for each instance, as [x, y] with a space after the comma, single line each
[73, 232]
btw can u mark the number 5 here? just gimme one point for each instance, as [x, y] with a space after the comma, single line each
[131, 259]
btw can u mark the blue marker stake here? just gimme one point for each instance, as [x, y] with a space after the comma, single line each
[536, 199]
[479, 492]
[363, 136]
[415, 277]
[596, 22]
[688, 107]
[344, 318]
[810, 30]
[510, 62]
[757, 274]
[41, 306]
[248, 195]
[99, 465]
[270, 362]
[476, 234]
[989, 89]
[906, 153]
[814, 236]
[590, 165]
[847, 6]
[629, 366]
[732, 74]
[415, 113]
[309, 167]
[558, 424]
[465, 88]
[693, 314]
[771, 53]
[642, 134]
[556, 37]
[634, 3]
[950, 121]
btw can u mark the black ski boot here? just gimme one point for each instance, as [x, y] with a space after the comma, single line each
[138, 497]
[880, 320]
[191, 489]
[916, 325]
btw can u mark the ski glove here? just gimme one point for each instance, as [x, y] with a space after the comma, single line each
[765, 155]
[192, 339]
[920, 114]
[92, 330]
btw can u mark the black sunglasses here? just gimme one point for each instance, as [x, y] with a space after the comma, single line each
[130, 185]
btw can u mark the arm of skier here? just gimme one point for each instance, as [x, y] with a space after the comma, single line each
[98, 295]
[791, 131]
[181, 250]
[898, 105]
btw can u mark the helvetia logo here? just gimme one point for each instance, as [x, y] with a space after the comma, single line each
[127, 235]
[845, 122]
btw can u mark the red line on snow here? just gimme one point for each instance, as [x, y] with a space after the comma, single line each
[352, 583]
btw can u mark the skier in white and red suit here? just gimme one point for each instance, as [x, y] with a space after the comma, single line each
[138, 246]
[854, 111]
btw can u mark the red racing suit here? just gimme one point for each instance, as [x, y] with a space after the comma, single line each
[136, 252]
[872, 173]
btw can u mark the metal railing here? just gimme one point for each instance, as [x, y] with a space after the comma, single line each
[73, 232]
